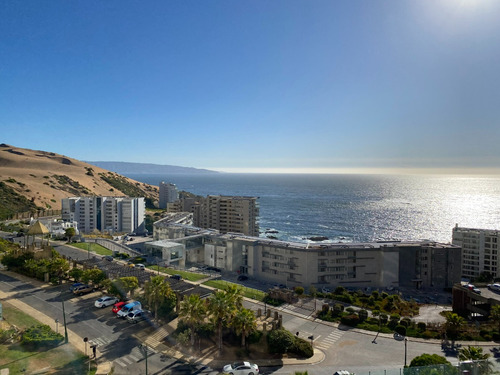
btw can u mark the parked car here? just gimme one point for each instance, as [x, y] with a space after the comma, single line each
[326, 290]
[75, 285]
[140, 266]
[136, 316]
[83, 289]
[128, 308]
[241, 368]
[105, 301]
[118, 306]
[109, 258]
[242, 277]
[176, 277]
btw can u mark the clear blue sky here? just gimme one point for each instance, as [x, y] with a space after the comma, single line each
[254, 85]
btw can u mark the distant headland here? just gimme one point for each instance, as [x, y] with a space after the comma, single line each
[146, 168]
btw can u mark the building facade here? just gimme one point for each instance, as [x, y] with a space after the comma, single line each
[168, 194]
[106, 214]
[480, 251]
[231, 214]
[417, 265]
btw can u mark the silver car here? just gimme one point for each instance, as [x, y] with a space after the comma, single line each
[241, 368]
[105, 301]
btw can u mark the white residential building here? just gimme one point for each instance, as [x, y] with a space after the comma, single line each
[106, 214]
[479, 251]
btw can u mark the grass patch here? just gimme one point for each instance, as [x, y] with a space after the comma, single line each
[255, 294]
[63, 359]
[191, 276]
[93, 248]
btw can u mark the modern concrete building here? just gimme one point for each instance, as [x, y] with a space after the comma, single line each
[168, 194]
[106, 214]
[423, 264]
[479, 251]
[166, 253]
[231, 214]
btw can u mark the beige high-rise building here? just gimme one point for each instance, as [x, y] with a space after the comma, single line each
[231, 214]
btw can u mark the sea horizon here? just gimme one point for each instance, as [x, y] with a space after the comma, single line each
[355, 207]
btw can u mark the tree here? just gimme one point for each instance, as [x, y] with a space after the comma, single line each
[156, 290]
[454, 323]
[475, 354]
[129, 284]
[495, 315]
[244, 322]
[192, 311]
[95, 275]
[428, 360]
[70, 233]
[222, 306]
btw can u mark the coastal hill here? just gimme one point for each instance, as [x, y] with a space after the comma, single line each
[32, 180]
[146, 168]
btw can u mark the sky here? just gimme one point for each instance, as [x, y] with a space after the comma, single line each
[255, 86]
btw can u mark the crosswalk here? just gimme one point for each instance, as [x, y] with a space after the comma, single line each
[324, 342]
[135, 356]
[101, 341]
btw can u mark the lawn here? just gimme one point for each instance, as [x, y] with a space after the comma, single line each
[63, 359]
[191, 276]
[93, 247]
[247, 292]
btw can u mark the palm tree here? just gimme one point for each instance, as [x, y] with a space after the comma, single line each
[244, 322]
[156, 290]
[476, 355]
[222, 307]
[220, 312]
[453, 324]
[192, 311]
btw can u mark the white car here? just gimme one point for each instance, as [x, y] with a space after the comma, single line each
[105, 301]
[241, 368]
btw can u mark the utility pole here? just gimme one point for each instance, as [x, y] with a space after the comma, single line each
[64, 320]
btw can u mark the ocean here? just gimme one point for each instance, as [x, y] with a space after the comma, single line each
[355, 208]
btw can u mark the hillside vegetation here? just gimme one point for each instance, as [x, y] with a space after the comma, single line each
[32, 180]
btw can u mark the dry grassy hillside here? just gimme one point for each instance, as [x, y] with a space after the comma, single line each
[44, 178]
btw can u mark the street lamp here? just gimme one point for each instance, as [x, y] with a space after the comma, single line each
[64, 320]
[144, 349]
[406, 349]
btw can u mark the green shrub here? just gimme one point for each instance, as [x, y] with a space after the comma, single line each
[363, 315]
[280, 341]
[40, 336]
[421, 326]
[254, 337]
[400, 329]
[302, 348]
[350, 320]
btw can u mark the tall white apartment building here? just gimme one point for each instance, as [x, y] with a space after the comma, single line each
[231, 214]
[479, 250]
[168, 194]
[106, 214]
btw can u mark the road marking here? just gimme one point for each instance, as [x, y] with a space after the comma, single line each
[134, 357]
[125, 359]
[120, 363]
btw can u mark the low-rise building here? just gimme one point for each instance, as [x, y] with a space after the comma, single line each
[411, 264]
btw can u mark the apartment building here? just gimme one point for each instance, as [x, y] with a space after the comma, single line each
[168, 194]
[106, 214]
[418, 265]
[479, 250]
[231, 214]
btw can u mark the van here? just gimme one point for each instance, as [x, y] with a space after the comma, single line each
[128, 308]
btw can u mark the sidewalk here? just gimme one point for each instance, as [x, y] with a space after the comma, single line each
[74, 340]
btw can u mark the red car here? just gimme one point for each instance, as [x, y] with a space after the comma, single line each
[118, 306]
